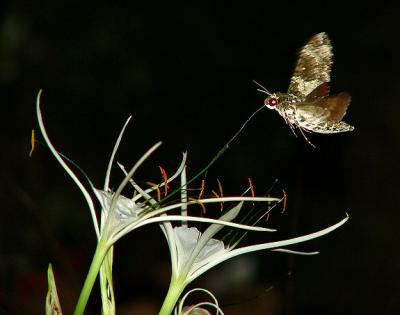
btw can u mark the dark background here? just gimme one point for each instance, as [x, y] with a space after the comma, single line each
[185, 74]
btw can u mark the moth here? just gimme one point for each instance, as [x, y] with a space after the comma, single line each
[307, 104]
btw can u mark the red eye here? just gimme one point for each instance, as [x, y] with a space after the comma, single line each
[272, 101]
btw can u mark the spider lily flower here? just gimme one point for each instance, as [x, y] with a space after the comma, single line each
[119, 214]
[193, 253]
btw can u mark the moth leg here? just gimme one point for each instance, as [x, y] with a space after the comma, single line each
[292, 126]
[304, 136]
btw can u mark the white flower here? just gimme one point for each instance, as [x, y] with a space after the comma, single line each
[120, 215]
[194, 252]
[186, 241]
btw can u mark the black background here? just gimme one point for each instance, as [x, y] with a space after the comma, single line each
[185, 73]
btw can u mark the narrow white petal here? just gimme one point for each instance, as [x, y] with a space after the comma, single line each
[65, 166]
[110, 163]
[270, 245]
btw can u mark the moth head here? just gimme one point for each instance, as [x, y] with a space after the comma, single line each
[271, 101]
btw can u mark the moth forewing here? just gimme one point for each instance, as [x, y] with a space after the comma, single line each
[313, 66]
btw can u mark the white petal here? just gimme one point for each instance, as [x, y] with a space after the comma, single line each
[187, 240]
[124, 207]
[212, 247]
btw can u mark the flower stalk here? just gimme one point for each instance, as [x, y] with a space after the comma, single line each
[100, 253]
[176, 287]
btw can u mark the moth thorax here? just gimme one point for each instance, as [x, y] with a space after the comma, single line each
[271, 101]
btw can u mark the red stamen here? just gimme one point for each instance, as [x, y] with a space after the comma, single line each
[165, 180]
[253, 194]
[284, 201]
[33, 141]
[220, 188]
[202, 188]
[158, 193]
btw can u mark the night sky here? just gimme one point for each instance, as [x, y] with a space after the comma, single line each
[185, 73]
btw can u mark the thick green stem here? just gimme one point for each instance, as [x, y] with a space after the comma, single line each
[98, 258]
[176, 287]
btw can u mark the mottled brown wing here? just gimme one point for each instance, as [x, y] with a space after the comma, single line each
[320, 91]
[313, 66]
[331, 108]
[336, 105]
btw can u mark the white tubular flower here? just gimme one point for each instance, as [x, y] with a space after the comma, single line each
[118, 213]
[186, 241]
[193, 253]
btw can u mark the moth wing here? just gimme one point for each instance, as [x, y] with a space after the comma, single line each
[313, 66]
[320, 91]
[331, 108]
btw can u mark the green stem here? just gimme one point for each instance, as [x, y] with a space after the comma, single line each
[216, 157]
[176, 287]
[106, 284]
[101, 251]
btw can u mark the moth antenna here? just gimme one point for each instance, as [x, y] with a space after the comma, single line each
[263, 89]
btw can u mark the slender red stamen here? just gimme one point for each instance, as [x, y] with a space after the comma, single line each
[253, 194]
[202, 188]
[203, 208]
[284, 201]
[165, 180]
[218, 196]
[220, 188]
[33, 141]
